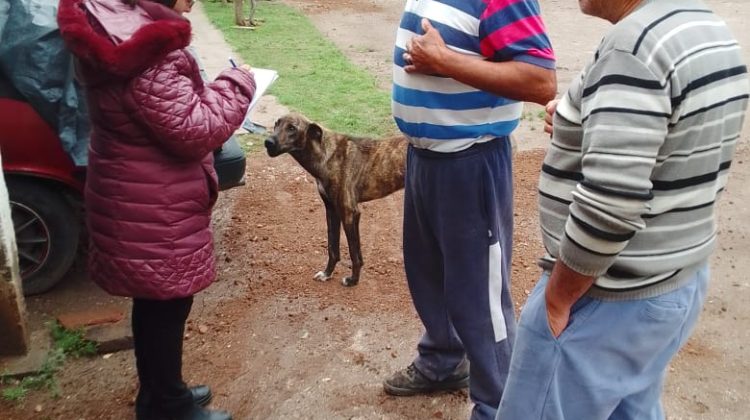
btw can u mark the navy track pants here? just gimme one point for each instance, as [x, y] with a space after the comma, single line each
[458, 228]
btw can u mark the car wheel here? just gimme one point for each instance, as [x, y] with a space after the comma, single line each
[47, 228]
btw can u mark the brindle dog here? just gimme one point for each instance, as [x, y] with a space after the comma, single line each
[348, 171]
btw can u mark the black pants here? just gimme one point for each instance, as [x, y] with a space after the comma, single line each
[158, 330]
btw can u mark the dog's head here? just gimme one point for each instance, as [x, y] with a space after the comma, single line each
[291, 133]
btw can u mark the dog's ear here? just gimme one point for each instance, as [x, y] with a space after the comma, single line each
[314, 132]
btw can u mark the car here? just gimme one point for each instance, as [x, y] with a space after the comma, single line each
[45, 190]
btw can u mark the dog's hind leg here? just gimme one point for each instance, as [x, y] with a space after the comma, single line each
[333, 222]
[351, 229]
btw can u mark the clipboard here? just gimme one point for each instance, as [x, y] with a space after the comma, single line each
[264, 78]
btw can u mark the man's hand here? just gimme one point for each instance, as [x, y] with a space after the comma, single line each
[425, 53]
[550, 113]
[428, 54]
[564, 288]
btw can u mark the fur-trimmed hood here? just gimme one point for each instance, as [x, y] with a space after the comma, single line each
[119, 40]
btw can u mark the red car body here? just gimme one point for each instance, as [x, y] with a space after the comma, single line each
[35, 150]
[45, 189]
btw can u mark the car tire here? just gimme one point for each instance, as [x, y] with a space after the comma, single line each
[47, 227]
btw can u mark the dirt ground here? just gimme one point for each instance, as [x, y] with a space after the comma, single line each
[278, 345]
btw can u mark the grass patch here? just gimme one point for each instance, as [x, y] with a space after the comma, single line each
[315, 78]
[44, 379]
[14, 393]
[72, 342]
[66, 343]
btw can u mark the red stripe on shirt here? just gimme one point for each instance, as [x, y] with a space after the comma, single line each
[495, 6]
[516, 31]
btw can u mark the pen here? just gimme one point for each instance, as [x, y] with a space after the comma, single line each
[231, 61]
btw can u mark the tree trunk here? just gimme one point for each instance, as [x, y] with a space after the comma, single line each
[250, 18]
[239, 18]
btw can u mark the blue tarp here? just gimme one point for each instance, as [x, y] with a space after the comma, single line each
[34, 59]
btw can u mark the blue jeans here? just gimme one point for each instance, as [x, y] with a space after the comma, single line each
[609, 363]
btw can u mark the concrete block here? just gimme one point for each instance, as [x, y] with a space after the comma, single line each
[40, 344]
[111, 337]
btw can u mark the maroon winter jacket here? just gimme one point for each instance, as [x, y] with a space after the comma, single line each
[150, 182]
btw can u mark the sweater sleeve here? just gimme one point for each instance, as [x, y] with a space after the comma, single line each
[190, 120]
[625, 114]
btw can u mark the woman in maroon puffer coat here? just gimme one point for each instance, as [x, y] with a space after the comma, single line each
[150, 182]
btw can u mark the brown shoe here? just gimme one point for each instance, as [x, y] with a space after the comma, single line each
[411, 381]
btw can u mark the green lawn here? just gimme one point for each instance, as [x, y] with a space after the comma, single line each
[315, 78]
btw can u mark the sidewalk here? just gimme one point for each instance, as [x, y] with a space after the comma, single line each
[214, 52]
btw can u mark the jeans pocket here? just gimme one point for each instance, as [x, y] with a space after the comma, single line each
[579, 313]
[531, 311]
[661, 310]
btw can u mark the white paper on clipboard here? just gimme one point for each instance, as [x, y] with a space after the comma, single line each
[264, 78]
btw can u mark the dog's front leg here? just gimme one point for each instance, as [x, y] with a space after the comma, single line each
[351, 229]
[333, 222]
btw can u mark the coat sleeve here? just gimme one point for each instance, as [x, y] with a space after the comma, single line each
[187, 118]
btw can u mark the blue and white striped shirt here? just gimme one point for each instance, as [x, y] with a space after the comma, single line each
[445, 115]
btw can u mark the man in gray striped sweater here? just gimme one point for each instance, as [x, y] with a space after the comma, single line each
[641, 148]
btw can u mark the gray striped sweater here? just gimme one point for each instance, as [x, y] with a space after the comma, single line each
[643, 141]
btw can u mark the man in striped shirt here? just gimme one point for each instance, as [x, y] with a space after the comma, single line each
[461, 68]
[641, 148]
